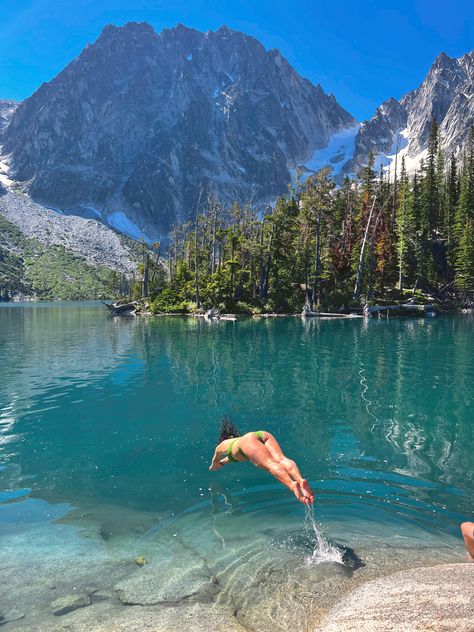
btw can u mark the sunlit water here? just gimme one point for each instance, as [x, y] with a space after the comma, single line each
[107, 428]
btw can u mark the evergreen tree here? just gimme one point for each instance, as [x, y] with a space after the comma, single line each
[429, 207]
[404, 227]
[452, 197]
[465, 258]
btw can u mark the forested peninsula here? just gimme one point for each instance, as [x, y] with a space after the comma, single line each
[378, 237]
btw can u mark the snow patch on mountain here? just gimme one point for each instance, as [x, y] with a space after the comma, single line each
[335, 155]
[119, 221]
[391, 162]
[4, 169]
[338, 151]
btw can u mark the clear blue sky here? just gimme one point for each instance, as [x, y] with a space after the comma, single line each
[364, 51]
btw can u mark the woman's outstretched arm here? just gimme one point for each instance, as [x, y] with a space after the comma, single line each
[218, 460]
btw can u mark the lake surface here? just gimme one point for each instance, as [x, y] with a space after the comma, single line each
[107, 427]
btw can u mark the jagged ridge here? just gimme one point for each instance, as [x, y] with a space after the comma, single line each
[141, 121]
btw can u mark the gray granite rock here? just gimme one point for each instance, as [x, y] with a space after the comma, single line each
[87, 238]
[434, 599]
[7, 108]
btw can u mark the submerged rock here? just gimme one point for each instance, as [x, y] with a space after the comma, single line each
[108, 617]
[437, 598]
[167, 581]
[14, 614]
[66, 604]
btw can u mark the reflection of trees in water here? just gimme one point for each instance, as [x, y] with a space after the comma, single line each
[56, 347]
[258, 372]
[419, 375]
[156, 389]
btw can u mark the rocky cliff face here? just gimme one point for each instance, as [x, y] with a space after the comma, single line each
[447, 95]
[7, 108]
[141, 122]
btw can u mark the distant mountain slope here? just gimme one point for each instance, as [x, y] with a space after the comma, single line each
[49, 255]
[86, 238]
[447, 94]
[140, 122]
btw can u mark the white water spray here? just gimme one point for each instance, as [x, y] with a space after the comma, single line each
[323, 551]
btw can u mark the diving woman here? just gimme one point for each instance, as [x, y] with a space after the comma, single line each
[262, 449]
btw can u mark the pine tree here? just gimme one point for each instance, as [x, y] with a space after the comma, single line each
[452, 197]
[465, 258]
[429, 207]
[404, 227]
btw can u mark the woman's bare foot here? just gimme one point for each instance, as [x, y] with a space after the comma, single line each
[298, 492]
[306, 490]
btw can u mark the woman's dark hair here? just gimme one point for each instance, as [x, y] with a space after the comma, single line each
[228, 430]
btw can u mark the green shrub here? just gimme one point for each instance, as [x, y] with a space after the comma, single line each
[169, 302]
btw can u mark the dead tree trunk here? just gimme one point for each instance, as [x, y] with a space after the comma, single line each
[145, 276]
[317, 261]
[360, 267]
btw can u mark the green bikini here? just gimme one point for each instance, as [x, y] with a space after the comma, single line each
[228, 452]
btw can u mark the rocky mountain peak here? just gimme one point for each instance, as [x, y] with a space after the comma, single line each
[446, 95]
[141, 121]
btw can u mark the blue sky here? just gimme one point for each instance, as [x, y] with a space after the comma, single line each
[363, 51]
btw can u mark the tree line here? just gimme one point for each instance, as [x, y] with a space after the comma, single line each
[373, 238]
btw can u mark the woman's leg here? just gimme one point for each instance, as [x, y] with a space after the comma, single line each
[260, 456]
[290, 466]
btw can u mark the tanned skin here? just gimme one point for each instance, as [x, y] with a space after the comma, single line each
[467, 530]
[269, 456]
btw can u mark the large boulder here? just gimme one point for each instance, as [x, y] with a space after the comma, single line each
[433, 599]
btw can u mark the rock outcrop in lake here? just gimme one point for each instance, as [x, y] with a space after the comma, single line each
[140, 122]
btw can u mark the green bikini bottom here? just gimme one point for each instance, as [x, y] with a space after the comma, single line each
[228, 452]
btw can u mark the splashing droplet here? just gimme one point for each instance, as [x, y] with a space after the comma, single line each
[323, 551]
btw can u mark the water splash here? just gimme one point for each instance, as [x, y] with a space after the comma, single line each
[323, 551]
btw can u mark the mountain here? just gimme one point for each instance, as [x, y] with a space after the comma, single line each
[7, 108]
[446, 94]
[46, 254]
[140, 122]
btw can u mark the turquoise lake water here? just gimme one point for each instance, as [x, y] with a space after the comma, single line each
[107, 427]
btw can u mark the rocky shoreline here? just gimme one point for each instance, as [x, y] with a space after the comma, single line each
[242, 575]
[434, 598]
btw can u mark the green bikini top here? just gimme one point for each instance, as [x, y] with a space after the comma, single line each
[228, 452]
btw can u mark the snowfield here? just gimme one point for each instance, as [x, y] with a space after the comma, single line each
[400, 145]
[338, 151]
